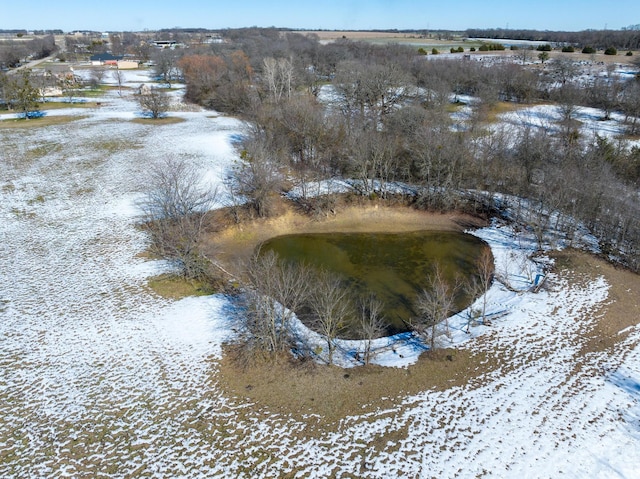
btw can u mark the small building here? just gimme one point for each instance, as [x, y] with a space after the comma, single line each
[105, 59]
[127, 64]
[165, 43]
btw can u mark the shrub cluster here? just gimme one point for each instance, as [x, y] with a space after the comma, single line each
[486, 47]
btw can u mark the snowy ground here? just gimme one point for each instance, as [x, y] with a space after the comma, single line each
[101, 378]
[589, 120]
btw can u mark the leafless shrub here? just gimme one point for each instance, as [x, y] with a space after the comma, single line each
[478, 285]
[435, 304]
[276, 291]
[174, 208]
[331, 305]
[371, 322]
[258, 177]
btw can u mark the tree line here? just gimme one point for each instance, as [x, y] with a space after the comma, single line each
[13, 52]
[624, 39]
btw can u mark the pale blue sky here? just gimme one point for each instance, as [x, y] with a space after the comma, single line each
[130, 15]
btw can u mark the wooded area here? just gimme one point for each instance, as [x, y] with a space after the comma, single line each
[383, 114]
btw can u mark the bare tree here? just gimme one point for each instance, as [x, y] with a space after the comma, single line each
[604, 94]
[166, 65]
[524, 55]
[278, 290]
[564, 69]
[631, 106]
[479, 284]
[371, 322]
[70, 84]
[175, 205]
[154, 101]
[486, 267]
[435, 304]
[370, 91]
[258, 177]
[278, 75]
[372, 158]
[118, 76]
[331, 305]
[116, 45]
[97, 76]
[568, 97]
[12, 53]
[438, 157]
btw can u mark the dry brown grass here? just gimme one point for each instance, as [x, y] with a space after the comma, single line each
[39, 122]
[501, 108]
[176, 287]
[296, 389]
[621, 311]
[168, 120]
[357, 35]
[61, 105]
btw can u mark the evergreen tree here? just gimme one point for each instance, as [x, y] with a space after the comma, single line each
[22, 94]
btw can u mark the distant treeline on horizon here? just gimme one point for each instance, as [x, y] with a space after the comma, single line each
[627, 38]
[21, 31]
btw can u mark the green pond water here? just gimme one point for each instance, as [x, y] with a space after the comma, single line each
[395, 267]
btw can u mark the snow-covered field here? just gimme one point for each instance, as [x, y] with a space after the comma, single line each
[101, 378]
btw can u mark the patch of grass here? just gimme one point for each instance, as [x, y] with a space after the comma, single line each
[629, 137]
[500, 108]
[115, 145]
[168, 120]
[59, 105]
[22, 213]
[21, 123]
[41, 150]
[98, 91]
[454, 107]
[171, 286]
[84, 191]
[38, 199]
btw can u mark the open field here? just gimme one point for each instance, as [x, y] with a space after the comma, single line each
[443, 45]
[389, 37]
[358, 35]
[102, 377]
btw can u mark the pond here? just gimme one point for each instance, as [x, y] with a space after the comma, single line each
[394, 267]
